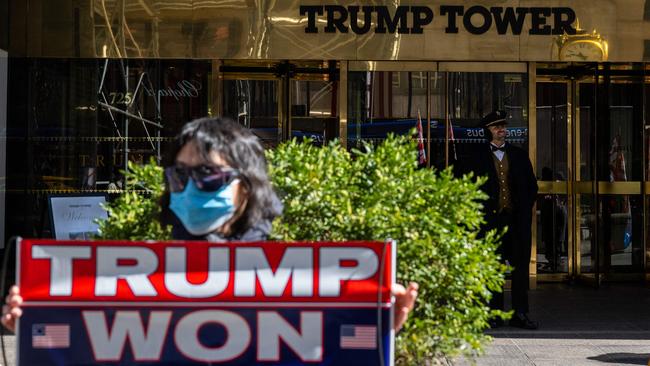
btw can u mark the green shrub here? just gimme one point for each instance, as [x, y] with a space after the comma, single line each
[373, 194]
[134, 215]
[378, 193]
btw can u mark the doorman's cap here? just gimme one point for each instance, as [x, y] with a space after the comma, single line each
[494, 118]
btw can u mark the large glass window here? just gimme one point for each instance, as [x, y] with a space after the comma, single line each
[314, 110]
[552, 201]
[74, 123]
[254, 104]
[382, 102]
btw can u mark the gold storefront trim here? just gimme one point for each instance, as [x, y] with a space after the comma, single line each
[546, 187]
[552, 277]
[70, 191]
[90, 139]
[392, 66]
[511, 67]
[619, 188]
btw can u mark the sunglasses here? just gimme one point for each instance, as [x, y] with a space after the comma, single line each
[207, 178]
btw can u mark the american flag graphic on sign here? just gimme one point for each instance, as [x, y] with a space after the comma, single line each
[358, 337]
[50, 336]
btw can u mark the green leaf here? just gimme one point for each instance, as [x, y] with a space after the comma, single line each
[135, 214]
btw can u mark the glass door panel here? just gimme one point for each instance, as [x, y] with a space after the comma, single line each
[585, 228]
[620, 171]
[281, 100]
[609, 170]
[590, 154]
[622, 248]
[314, 111]
[586, 234]
[551, 165]
[254, 104]
[646, 184]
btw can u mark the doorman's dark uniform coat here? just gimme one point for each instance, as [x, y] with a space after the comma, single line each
[516, 246]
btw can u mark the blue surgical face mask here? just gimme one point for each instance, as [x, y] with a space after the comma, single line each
[203, 212]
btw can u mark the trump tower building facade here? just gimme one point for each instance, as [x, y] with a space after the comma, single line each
[88, 85]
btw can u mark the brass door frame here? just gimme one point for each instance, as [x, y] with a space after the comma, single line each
[573, 186]
[265, 70]
[242, 75]
[577, 185]
[343, 102]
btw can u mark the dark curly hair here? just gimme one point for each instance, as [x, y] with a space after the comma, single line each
[244, 152]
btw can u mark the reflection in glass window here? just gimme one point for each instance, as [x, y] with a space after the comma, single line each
[552, 111]
[385, 102]
[254, 104]
[439, 136]
[74, 124]
[473, 95]
[620, 230]
[314, 110]
[552, 233]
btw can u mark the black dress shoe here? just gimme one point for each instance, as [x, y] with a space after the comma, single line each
[520, 320]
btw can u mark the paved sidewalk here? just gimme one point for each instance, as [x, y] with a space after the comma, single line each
[578, 326]
[10, 350]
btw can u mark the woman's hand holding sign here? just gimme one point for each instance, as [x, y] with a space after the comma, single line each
[404, 302]
[11, 310]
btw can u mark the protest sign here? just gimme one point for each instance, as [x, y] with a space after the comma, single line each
[183, 303]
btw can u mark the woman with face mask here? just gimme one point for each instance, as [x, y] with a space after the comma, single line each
[219, 191]
[219, 188]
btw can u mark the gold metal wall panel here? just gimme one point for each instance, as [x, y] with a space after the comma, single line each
[247, 76]
[268, 29]
[520, 67]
